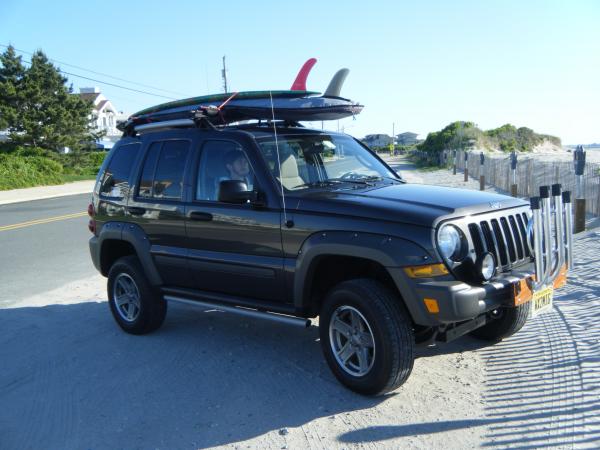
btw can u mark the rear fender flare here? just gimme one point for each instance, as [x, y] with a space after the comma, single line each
[134, 235]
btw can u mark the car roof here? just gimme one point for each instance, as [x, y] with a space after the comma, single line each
[257, 130]
[266, 130]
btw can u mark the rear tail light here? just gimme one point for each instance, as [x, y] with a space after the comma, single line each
[92, 222]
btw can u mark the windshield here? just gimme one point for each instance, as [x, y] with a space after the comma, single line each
[320, 160]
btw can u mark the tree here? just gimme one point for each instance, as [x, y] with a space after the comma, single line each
[12, 72]
[47, 115]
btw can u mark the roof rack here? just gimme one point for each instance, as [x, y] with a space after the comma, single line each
[262, 123]
[198, 119]
[201, 122]
[165, 124]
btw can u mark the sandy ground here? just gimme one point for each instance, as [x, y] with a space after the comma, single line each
[70, 379]
[548, 153]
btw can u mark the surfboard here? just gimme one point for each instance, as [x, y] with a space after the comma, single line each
[296, 104]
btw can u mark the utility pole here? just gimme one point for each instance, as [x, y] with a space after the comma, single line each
[224, 75]
[393, 144]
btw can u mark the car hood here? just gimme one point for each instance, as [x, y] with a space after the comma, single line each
[416, 204]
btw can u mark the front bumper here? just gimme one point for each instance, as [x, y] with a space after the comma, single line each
[457, 301]
[460, 301]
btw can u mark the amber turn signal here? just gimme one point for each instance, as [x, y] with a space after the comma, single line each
[432, 305]
[427, 271]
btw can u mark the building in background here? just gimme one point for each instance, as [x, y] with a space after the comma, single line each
[377, 140]
[407, 138]
[104, 116]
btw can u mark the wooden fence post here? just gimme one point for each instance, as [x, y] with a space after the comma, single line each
[481, 172]
[530, 169]
[454, 161]
[579, 162]
[513, 168]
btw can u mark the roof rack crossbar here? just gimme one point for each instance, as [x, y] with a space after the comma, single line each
[164, 124]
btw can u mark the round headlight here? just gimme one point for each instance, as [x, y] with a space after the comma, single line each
[450, 243]
[486, 265]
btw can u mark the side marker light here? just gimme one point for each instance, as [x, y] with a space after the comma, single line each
[432, 305]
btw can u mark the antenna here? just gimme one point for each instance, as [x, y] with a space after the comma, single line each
[285, 220]
[224, 75]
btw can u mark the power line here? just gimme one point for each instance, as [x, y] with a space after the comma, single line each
[100, 73]
[109, 84]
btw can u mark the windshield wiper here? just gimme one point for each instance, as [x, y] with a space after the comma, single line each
[363, 181]
[381, 178]
[322, 183]
[367, 180]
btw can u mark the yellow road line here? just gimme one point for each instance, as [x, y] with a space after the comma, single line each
[41, 221]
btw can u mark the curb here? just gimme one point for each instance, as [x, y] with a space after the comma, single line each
[43, 193]
[43, 197]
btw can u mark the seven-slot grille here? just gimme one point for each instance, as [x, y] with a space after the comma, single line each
[505, 237]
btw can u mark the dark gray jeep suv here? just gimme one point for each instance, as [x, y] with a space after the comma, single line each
[282, 222]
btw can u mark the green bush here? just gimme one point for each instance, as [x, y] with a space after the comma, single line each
[30, 166]
[466, 135]
[18, 171]
[82, 163]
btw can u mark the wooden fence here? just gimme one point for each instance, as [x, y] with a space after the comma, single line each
[531, 173]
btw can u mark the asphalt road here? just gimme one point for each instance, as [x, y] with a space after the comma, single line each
[43, 245]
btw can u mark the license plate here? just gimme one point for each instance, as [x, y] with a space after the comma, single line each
[542, 301]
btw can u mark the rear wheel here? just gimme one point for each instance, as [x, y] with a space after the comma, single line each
[135, 304]
[502, 323]
[366, 337]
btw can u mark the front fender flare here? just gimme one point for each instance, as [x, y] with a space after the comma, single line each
[388, 251]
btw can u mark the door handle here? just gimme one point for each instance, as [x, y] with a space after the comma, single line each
[198, 215]
[136, 211]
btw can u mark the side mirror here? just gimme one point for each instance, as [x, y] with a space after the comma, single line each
[235, 191]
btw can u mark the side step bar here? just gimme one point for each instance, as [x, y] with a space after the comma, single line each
[289, 320]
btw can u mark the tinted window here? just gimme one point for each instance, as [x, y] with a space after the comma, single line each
[162, 174]
[148, 170]
[115, 180]
[219, 161]
[302, 162]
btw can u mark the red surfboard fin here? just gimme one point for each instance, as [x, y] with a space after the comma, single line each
[300, 81]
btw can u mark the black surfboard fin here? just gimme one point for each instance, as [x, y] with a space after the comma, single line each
[336, 83]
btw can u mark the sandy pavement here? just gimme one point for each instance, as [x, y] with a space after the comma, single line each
[70, 379]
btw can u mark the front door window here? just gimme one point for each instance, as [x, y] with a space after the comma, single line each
[220, 161]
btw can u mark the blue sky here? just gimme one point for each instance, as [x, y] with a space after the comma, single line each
[420, 65]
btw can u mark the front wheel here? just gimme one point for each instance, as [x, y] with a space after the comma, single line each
[502, 323]
[366, 337]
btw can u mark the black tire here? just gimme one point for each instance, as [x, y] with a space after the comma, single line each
[392, 357]
[151, 310]
[508, 322]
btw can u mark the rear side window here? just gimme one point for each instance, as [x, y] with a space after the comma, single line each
[115, 181]
[148, 171]
[162, 174]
